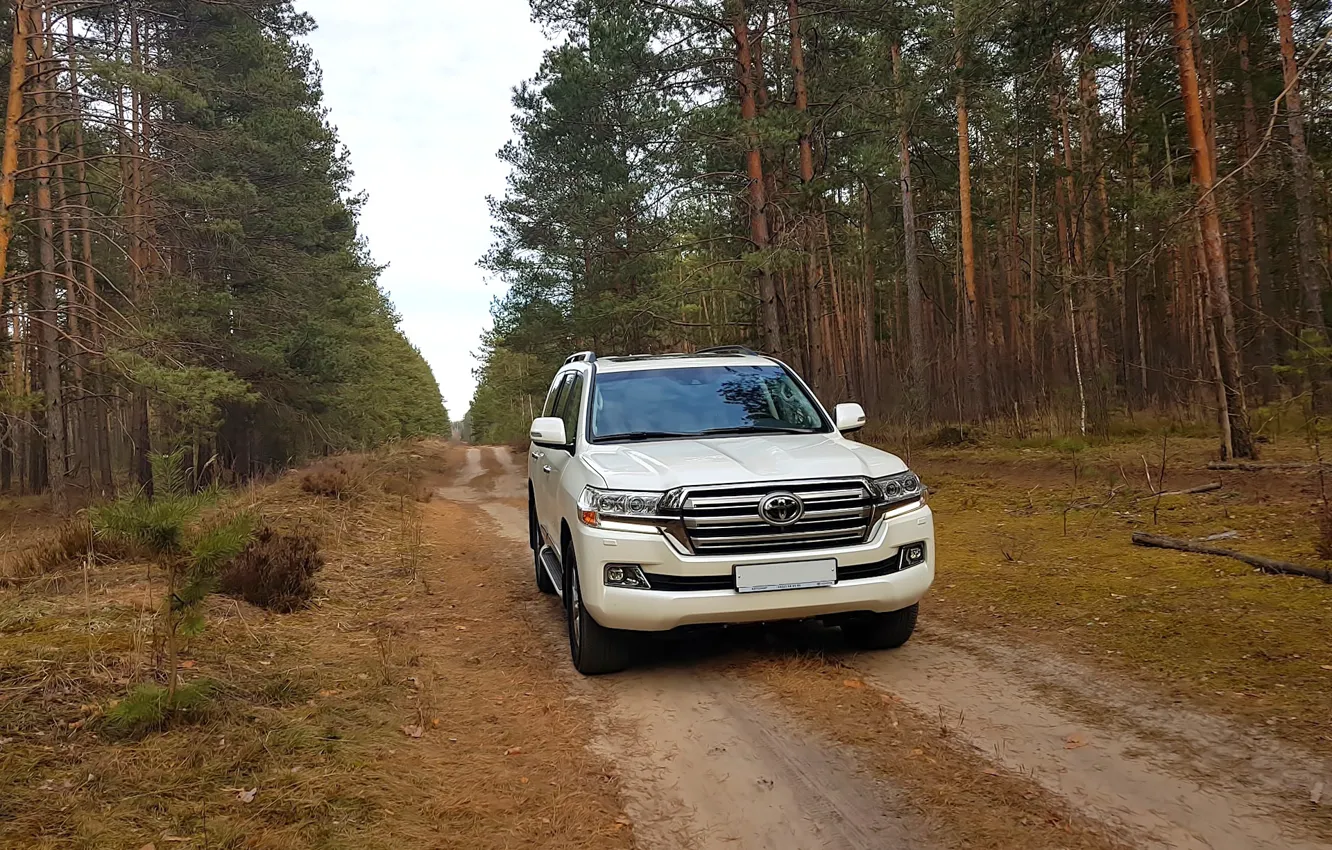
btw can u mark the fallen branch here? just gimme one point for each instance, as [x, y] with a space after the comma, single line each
[1255, 466]
[1201, 488]
[1267, 565]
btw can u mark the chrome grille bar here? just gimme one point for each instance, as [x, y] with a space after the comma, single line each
[725, 519]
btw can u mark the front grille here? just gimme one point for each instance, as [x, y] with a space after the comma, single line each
[726, 521]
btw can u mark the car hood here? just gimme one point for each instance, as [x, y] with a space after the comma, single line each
[666, 464]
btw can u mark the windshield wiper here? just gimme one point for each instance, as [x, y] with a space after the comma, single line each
[643, 435]
[757, 429]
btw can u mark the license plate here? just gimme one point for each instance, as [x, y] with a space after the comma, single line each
[787, 575]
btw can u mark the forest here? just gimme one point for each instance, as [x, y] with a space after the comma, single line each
[179, 252]
[1028, 214]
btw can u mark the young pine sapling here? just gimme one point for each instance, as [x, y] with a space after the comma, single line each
[168, 528]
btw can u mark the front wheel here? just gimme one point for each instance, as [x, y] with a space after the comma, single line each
[882, 631]
[543, 582]
[593, 648]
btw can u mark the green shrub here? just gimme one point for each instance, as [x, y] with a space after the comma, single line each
[149, 707]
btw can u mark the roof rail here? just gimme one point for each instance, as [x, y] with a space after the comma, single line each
[728, 349]
[589, 356]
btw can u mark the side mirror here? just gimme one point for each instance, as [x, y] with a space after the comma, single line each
[549, 431]
[850, 417]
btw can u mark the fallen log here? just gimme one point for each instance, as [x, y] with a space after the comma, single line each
[1256, 466]
[1201, 488]
[1267, 565]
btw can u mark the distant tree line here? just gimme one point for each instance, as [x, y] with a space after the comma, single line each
[179, 252]
[964, 211]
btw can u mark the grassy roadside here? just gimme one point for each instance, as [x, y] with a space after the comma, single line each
[1028, 553]
[407, 708]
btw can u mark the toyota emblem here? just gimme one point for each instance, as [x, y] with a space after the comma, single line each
[781, 509]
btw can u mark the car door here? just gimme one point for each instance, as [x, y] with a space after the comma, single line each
[570, 409]
[537, 461]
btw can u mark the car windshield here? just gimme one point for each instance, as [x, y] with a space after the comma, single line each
[701, 400]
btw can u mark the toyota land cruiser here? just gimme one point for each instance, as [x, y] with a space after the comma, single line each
[713, 488]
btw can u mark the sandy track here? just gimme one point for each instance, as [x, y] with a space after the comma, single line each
[704, 761]
[708, 761]
[1166, 776]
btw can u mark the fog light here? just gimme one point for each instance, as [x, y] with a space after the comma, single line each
[913, 554]
[626, 575]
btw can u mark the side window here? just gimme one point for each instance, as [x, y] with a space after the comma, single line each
[553, 397]
[572, 405]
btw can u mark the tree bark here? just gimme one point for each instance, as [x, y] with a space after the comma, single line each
[47, 314]
[1311, 286]
[1078, 237]
[910, 257]
[1136, 374]
[1095, 176]
[1241, 442]
[139, 422]
[758, 215]
[1253, 227]
[815, 297]
[970, 313]
[96, 411]
[8, 179]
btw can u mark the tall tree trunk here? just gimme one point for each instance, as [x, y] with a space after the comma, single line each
[815, 296]
[971, 315]
[139, 425]
[1135, 379]
[48, 317]
[758, 214]
[1095, 176]
[1257, 257]
[18, 66]
[76, 401]
[1078, 236]
[1218, 289]
[97, 409]
[1070, 257]
[1311, 284]
[910, 257]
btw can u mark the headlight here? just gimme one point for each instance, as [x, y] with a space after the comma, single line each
[596, 504]
[895, 489]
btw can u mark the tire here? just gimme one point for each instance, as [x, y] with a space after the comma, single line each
[882, 631]
[593, 648]
[543, 582]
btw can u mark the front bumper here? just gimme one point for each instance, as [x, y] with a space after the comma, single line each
[662, 610]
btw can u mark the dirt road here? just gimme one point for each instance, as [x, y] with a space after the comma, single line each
[709, 756]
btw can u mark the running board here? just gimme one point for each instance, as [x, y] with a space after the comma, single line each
[552, 566]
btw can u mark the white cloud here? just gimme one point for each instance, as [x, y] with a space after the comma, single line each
[420, 93]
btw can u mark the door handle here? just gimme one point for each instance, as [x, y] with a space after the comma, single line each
[536, 455]
[546, 468]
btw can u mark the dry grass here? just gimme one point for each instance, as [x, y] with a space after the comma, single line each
[56, 549]
[342, 478]
[276, 571]
[315, 711]
[964, 801]
[1026, 555]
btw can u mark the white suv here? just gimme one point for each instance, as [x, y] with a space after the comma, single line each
[711, 488]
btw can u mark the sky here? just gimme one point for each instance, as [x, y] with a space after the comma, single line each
[421, 98]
